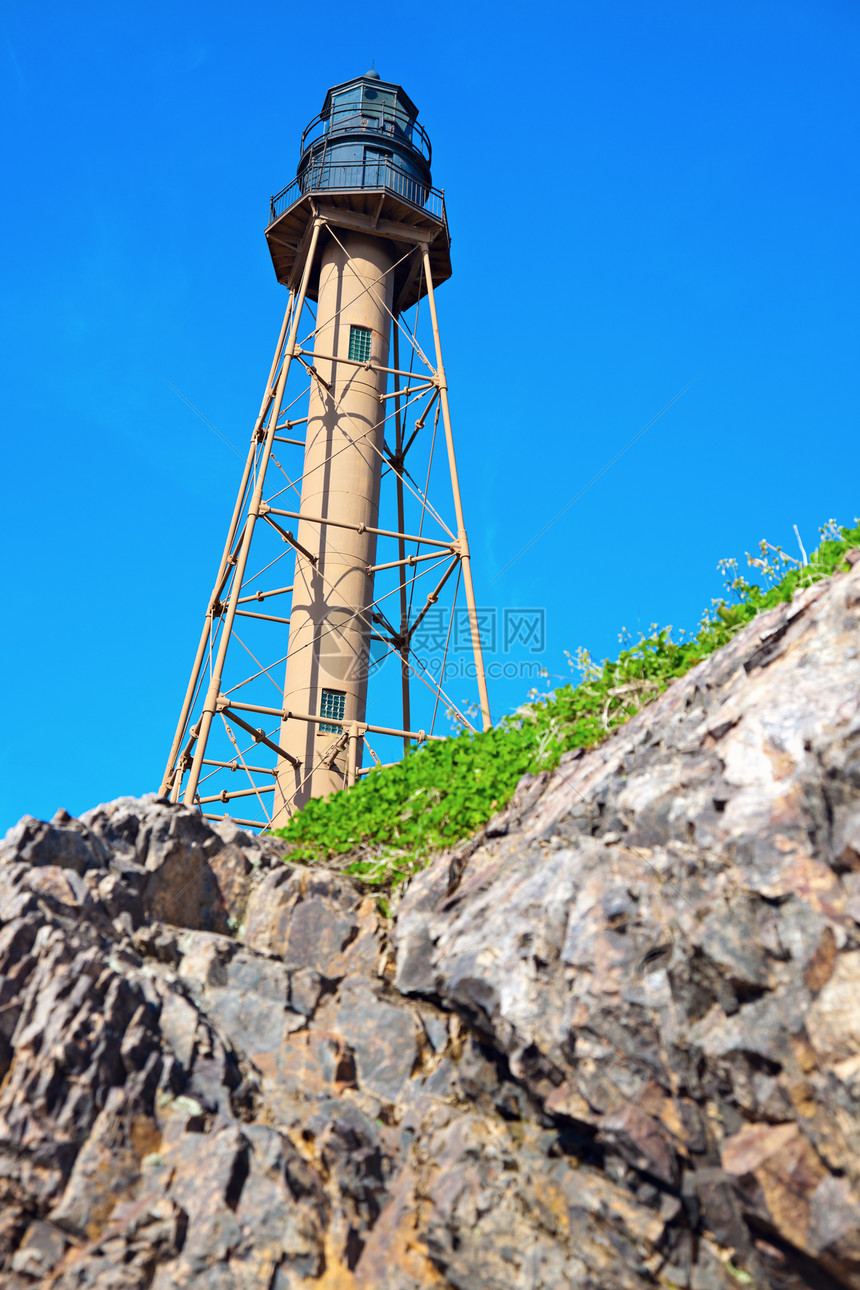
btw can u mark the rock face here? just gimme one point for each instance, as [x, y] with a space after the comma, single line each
[611, 1042]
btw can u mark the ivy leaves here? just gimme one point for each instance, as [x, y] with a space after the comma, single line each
[395, 818]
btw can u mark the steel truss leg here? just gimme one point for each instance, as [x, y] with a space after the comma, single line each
[468, 586]
[211, 703]
[401, 546]
[167, 783]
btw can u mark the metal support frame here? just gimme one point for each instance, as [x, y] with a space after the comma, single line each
[260, 737]
[465, 558]
[401, 544]
[314, 718]
[170, 771]
[190, 760]
[358, 528]
[253, 512]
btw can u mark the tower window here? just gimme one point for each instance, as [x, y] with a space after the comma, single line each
[359, 343]
[332, 704]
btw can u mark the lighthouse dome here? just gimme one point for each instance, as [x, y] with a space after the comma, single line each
[366, 136]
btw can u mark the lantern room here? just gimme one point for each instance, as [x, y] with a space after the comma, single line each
[366, 136]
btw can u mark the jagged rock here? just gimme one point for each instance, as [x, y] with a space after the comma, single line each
[665, 948]
[616, 1043]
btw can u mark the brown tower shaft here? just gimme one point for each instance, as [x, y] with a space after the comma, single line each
[330, 625]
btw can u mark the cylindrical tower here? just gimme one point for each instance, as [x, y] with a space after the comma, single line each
[330, 624]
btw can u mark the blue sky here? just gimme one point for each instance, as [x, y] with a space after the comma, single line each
[641, 195]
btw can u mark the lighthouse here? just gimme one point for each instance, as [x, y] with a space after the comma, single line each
[359, 238]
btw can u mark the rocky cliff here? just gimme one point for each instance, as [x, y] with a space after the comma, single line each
[613, 1041]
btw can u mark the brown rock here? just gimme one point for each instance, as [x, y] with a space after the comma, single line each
[107, 1166]
[779, 1173]
[41, 1249]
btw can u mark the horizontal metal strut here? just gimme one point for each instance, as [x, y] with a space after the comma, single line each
[235, 764]
[227, 796]
[405, 393]
[453, 547]
[247, 824]
[369, 366]
[267, 618]
[228, 708]
[407, 560]
[263, 595]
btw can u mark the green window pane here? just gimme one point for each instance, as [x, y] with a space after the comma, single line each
[332, 704]
[359, 343]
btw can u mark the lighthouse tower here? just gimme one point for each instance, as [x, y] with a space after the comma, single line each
[362, 235]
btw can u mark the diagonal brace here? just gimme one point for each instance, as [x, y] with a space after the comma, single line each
[288, 537]
[259, 737]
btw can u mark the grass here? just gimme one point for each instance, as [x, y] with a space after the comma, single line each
[387, 826]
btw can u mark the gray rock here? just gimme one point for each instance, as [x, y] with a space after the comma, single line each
[621, 1048]
[382, 1038]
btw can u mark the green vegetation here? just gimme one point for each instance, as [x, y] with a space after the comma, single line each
[390, 823]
